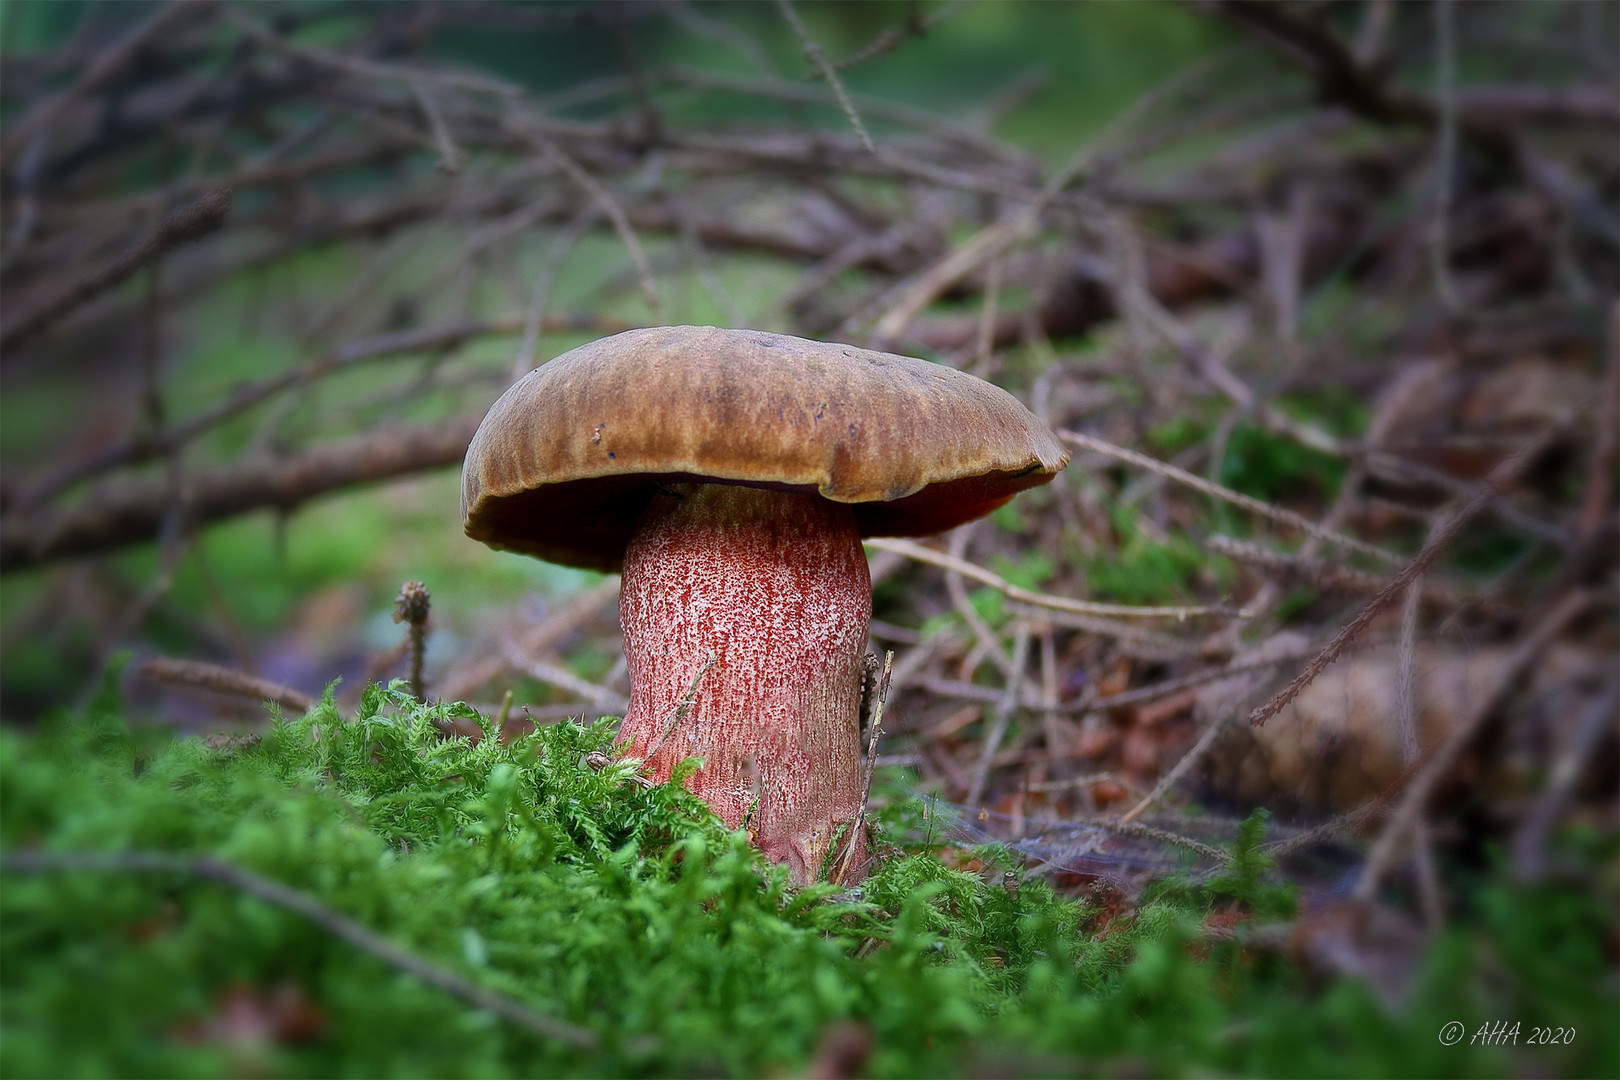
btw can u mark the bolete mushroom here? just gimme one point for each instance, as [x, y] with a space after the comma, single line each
[730, 475]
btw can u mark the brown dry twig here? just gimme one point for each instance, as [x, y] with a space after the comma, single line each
[1225, 494]
[135, 511]
[223, 872]
[913, 550]
[1434, 766]
[1499, 480]
[224, 680]
[191, 222]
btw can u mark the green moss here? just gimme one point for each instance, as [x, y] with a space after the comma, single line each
[1276, 468]
[633, 913]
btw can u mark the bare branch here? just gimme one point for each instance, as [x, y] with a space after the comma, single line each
[135, 511]
[192, 222]
[1500, 479]
[223, 680]
[812, 51]
[913, 550]
[211, 868]
[1225, 494]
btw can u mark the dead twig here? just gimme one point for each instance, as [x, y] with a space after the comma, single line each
[678, 713]
[1333, 577]
[913, 550]
[107, 64]
[813, 53]
[191, 222]
[135, 511]
[224, 680]
[1439, 760]
[1499, 480]
[563, 679]
[1225, 494]
[879, 699]
[1005, 707]
[220, 871]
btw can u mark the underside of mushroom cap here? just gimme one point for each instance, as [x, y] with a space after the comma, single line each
[571, 454]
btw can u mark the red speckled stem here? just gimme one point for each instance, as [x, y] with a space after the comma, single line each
[774, 586]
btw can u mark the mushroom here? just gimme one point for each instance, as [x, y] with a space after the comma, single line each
[730, 475]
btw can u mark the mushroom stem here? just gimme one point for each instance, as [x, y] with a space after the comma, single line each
[774, 587]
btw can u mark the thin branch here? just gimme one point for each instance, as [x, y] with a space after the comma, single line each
[189, 223]
[1334, 577]
[564, 679]
[370, 69]
[1225, 494]
[1499, 480]
[1173, 777]
[432, 338]
[107, 64]
[813, 53]
[224, 680]
[684, 706]
[610, 206]
[917, 24]
[1164, 836]
[880, 698]
[134, 511]
[1445, 156]
[1005, 706]
[451, 156]
[211, 868]
[913, 550]
[1443, 756]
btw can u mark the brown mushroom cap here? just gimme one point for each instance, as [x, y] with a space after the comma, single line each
[568, 458]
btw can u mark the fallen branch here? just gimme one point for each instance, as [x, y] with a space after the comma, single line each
[187, 224]
[913, 550]
[420, 339]
[224, 680]
[1226, 494]
[135, 511]
[1499, 480]
[210, 868]
[1443, 756]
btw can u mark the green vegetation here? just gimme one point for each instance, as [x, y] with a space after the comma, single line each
[632, 913]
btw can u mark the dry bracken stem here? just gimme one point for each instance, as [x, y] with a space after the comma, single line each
[209, 868]
[1499, 480]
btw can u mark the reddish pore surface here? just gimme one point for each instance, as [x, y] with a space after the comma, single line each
[774, 587]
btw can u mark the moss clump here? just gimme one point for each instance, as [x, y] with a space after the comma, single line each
[624, 910]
